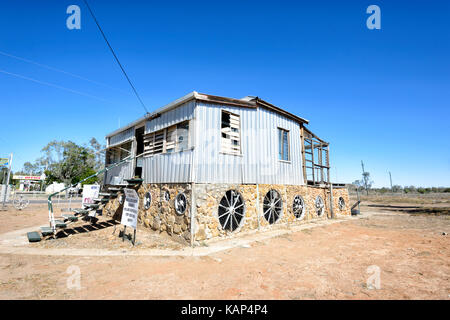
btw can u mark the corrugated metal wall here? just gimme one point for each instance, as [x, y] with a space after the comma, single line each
[121, 137]
[169, 167]
[258, 162]
[180, 113]
[118, 174]
[259, 144]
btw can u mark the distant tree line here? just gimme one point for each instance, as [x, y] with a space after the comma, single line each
[67, 162]
[400, 189]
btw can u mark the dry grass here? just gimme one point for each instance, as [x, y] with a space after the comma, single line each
[418, 199]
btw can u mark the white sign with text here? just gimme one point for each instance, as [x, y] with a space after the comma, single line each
[90, 192]
[130, 208]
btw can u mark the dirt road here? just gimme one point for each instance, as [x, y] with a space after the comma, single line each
[411, 252]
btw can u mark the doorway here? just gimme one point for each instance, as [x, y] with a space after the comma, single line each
[139, 135]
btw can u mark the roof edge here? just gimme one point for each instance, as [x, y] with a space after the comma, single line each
[212, 99]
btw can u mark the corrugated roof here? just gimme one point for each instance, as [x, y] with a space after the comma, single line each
[247, 102]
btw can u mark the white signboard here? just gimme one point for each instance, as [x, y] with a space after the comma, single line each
[90, 192]
[130, 208]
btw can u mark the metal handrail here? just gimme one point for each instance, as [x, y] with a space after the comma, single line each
[51, 216]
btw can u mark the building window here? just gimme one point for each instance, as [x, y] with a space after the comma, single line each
[230, 132]
[118, 153]
[283, 142]
[183, 136]
[172, 139]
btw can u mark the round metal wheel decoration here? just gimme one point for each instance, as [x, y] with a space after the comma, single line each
[166, 196]
[320, 205]
[341, 203]
[272, 206]
[147, 200]
[231, 210]
[298, 207]
[180, 203]
[21, 202]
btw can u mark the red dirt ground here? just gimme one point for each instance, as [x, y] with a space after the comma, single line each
[328, 262]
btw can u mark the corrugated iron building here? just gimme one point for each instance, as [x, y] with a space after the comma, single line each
[214, 166]
[203, 161]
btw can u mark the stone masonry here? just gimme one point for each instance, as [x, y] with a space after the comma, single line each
[161, 215]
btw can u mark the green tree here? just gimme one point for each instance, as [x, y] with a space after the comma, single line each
[69, 162]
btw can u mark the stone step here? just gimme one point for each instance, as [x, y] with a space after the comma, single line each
[60, 224]
[33, 236]
[101, 200]
[70, 217]
[46, 231]
[106, 194]
[81, 211]
[92, 205]
[134, 181]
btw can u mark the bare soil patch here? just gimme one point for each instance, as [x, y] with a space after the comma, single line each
[412, 252]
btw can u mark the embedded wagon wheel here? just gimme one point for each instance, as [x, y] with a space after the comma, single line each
[298, 207]
[341, 203]
[272, 206]
[231, 210]
[147, 200]
[166, 196]
[21, 202]
[319, 205]
[180, 203]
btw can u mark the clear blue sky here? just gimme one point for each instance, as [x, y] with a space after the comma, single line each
[381, 96]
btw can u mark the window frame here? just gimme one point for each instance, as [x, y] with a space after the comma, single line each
[221, 147]
[281, 145]
[165, 132]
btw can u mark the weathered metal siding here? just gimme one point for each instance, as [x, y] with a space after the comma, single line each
[121, 137]
[118, 174]
[179, 114]
[259, 145]
[170, 167]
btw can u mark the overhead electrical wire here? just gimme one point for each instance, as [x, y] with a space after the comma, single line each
[58, 70]
[52, 85]
[115, 56]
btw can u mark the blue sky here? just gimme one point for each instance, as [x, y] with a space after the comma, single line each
[381, 96]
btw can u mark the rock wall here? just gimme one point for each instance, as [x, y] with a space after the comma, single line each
[208, 196]
[161, 215]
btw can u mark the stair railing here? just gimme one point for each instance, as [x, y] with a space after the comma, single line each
[51, 216]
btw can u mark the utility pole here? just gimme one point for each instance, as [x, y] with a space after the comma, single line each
[390, 178]
[7, 180]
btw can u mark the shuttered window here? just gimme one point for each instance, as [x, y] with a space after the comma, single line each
[172, 139]
[230, 132]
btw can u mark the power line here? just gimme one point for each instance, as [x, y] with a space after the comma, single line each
[56, 70]
[115, 56]
[52, 85]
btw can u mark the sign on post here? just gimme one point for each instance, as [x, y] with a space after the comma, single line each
[90, 192]
[4, 162]
[130, 208]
